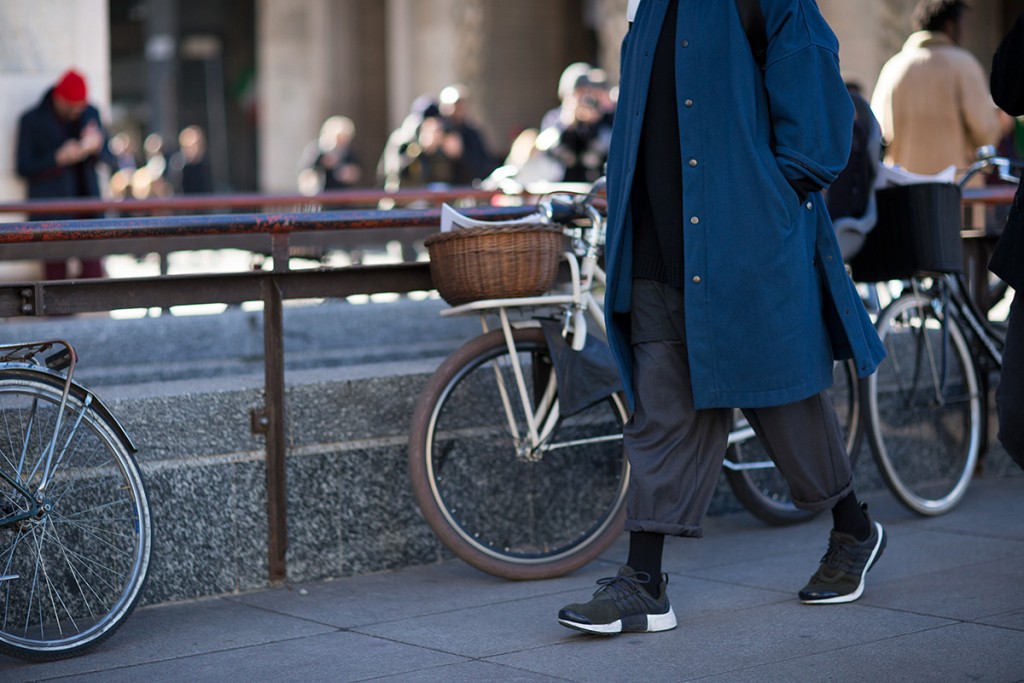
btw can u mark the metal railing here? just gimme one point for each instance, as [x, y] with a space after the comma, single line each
[192, 204]
[271, 233]
[274, 231]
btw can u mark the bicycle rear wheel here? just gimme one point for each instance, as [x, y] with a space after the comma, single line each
[752, 475]
[924, 407]
[501, 506]
[72, 572]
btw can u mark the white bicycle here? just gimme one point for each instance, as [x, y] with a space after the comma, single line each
[515, 447]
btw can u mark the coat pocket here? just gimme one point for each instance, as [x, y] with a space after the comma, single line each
[784, 192]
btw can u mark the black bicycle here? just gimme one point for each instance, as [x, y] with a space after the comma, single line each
[75, 527]
[926, 408]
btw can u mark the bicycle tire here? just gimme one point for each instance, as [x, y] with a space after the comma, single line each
[81, 565]
[507, 511]
[924, 407]
[762, 490]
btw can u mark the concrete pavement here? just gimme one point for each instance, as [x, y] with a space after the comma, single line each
[945, 603]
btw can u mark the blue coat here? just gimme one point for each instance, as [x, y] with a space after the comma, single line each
[769, 305]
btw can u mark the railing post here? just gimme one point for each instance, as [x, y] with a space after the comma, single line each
[274, 416]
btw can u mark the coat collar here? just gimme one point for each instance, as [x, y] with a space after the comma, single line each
[929, 39]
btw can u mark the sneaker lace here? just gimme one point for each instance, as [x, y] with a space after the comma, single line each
[840, 556]
[623, 585]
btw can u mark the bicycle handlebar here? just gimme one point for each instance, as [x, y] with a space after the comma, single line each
[565, 209]
[986, 157]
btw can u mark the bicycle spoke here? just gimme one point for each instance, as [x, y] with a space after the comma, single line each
[509, 502]
[925, 406]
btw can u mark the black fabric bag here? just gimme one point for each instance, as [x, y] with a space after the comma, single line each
[918, 230]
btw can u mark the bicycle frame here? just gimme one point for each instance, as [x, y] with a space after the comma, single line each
[968, 310]
[542, 415]
[585, 276]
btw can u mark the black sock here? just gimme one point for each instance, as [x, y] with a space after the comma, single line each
[849, 518]
[645, 556]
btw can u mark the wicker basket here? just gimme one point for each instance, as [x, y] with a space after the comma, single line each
[470, 264]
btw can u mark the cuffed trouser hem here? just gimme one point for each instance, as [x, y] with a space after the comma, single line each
[825, 503]
[654, 527]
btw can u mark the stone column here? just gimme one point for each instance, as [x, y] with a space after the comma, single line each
[611, 30]
[39, 40]
[162, 69]
[422, 43]
[293, 40]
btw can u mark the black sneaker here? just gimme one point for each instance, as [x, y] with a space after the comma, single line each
[622, 605]
[840, 578]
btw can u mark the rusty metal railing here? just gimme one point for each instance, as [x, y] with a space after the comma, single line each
[205, 202]
[223, 203]
[272, 287]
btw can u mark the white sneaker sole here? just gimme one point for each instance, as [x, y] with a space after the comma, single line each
[850, 597]
[655, 623]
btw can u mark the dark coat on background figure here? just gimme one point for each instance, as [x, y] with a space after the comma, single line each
[1008, 92]
[40, 133]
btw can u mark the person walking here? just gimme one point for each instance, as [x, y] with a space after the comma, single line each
[1007, 85]
[60, 142]
[930, 98]
[726, 287]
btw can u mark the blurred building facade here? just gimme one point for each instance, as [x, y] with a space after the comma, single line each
[261, 75]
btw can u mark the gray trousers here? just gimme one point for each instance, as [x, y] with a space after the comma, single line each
[675, 451]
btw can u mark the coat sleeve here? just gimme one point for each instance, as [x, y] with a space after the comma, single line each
[1006, 81]
[980, 115]
[35, 157]
[811, 110]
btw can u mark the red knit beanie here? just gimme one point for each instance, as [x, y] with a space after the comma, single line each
[71, 87]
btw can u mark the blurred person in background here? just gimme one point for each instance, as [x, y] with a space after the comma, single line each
[389, 167]
[60, 143]
[331, 162]
[580, 144]
[475, 161]
[931, 98]
[431, 160]
[189, 166]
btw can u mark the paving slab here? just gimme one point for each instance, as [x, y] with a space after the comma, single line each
[724, 642]
[336, 657]
[958, 652]
[172, 633]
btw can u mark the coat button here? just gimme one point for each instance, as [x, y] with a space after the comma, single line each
[688, 103]
[694, 220]
[684, 43]
[693, 162]
[696, 279]
[809, 206]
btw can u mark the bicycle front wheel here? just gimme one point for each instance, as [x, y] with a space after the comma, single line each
[924, 406]
[752, 475]
[72, 571]
[504, 505]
